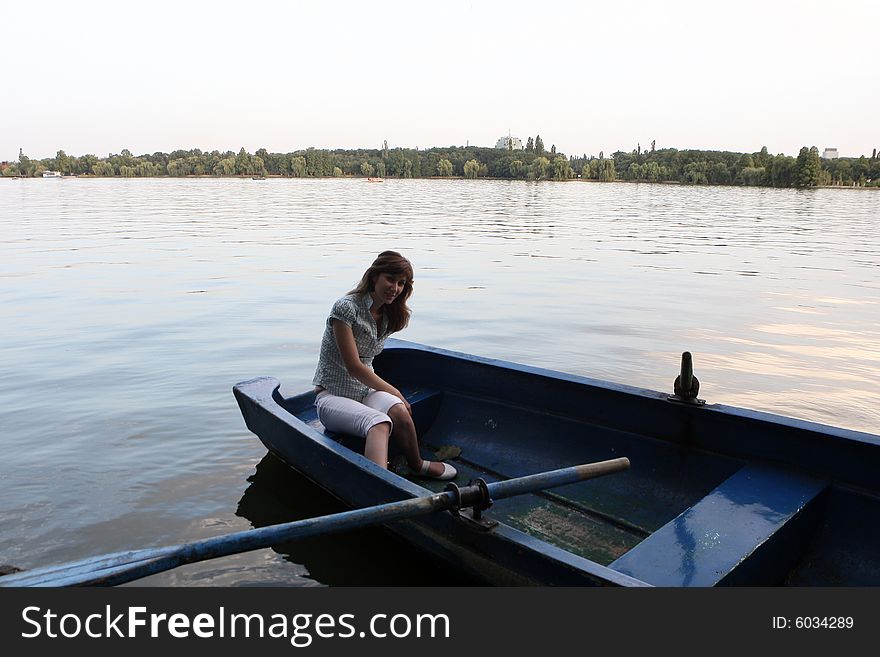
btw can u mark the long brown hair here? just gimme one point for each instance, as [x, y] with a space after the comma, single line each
[390, 262]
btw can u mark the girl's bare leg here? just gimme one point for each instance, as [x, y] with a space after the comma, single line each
[404, 435]
[376, 448]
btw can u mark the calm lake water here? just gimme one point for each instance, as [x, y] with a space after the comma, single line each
[130, 307]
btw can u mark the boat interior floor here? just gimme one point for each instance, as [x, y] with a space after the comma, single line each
[678, 517]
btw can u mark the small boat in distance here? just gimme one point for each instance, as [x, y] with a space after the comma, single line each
[375, 180]
[51, 174]
[714, 496]
[258, 178]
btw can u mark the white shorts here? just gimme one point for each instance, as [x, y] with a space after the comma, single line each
[344, 415]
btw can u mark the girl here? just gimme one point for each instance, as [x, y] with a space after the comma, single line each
[351, 397]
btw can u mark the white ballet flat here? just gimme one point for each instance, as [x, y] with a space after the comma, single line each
[448, 471]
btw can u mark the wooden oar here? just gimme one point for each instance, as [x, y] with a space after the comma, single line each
[121, 567]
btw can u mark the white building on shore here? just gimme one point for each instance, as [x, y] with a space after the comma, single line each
[510, 143]
[830, 154]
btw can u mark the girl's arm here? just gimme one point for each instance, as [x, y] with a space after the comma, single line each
[348, 350]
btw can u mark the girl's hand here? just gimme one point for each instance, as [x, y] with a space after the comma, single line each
[348, 350]
[397, 393]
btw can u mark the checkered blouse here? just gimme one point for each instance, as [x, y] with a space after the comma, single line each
[354, 310]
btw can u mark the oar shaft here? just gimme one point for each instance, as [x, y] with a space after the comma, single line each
[553, 478]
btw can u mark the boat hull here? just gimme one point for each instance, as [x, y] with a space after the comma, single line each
[779, 499]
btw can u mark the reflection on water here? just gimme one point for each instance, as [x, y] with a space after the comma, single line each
[130, 307]
[368, 557]
[365, 557]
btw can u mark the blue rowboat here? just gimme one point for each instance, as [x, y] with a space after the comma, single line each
[714, 496]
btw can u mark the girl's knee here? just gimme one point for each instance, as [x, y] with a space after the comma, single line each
[381, 428]
[399, 414]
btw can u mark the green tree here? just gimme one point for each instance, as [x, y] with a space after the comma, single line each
[539, 145]
[103, 168]
[607, 171]
[807, 168]
[562, 169]
[366, 169]
[63, 162]
[761, 158]
[180, 167]
[590, 169]
[24, 164]
[225, 167]
[719, 174]
[751, 176]
[86, 163]
[745, 160]
[873, 175]
[317, 162]
[471, 169]
[196, 165]
[843, 173]
[860, 170]
[146, 169]
[211, 160]
[380, 169]
[530, 144]
[444, 168]
[125, 158]
[337, 172]
[298, 166]
[539, 167]
[243, 163]
[780, 170]
[695, 173]
[397, 164]
[515, 168]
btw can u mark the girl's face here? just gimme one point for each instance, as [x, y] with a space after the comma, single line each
[388, 286]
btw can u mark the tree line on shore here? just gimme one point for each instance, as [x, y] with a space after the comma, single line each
[533, 162]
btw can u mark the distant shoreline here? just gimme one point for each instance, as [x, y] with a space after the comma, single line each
[664, 166]
[678, 183]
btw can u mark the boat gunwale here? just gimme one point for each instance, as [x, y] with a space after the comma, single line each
[845, 456]
[828, 430]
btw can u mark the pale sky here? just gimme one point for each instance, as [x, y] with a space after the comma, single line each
[98, 77]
